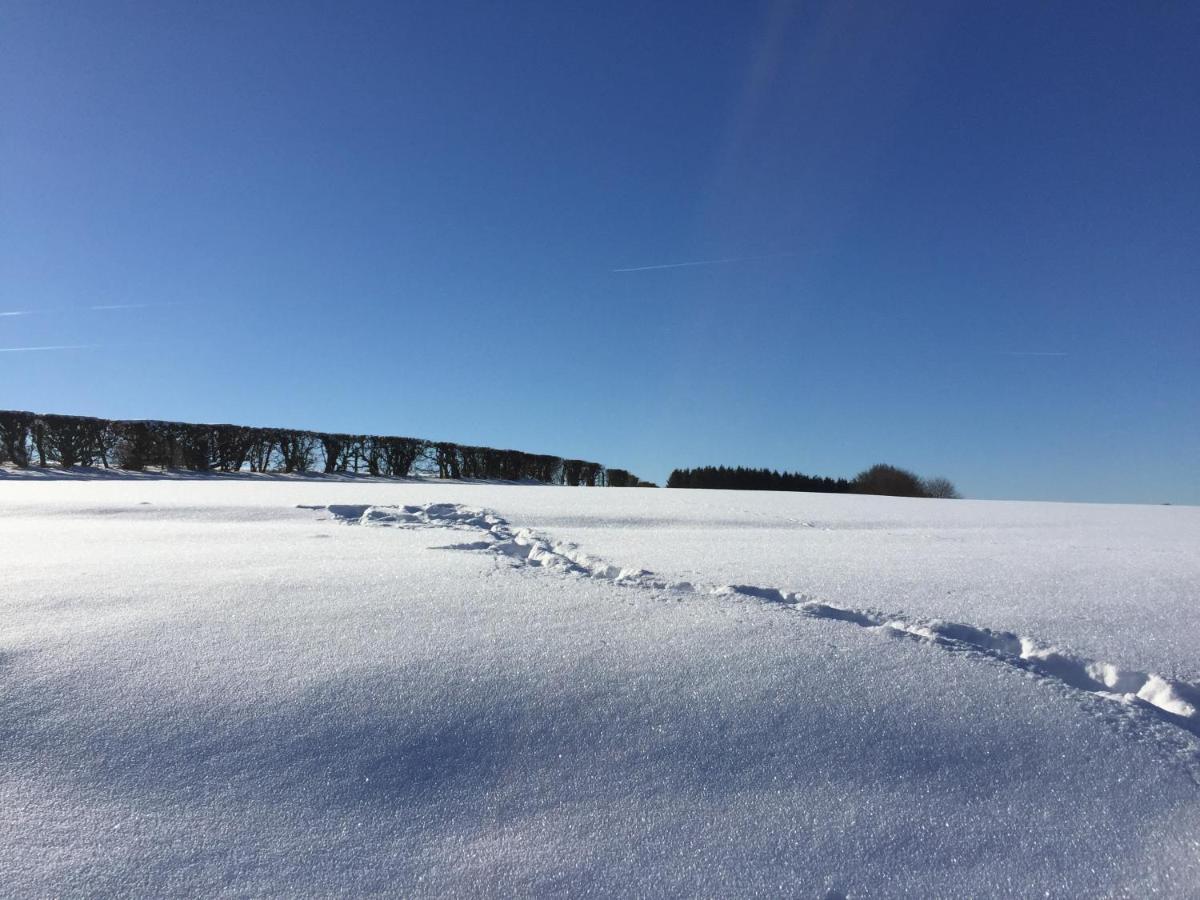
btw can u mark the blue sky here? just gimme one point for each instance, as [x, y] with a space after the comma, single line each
[958, 237]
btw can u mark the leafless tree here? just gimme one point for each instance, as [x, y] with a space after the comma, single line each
[942, 488]
[890, 481]
[15, 428]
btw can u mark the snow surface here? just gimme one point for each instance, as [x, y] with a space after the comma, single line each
[315, 687]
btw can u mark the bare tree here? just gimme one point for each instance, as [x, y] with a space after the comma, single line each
[942, 488]
[399, 454]
[296, 449]
[889, 481]
[15, 428]
[73, 440]
[229, 446]
[331, 448]
[137, 445]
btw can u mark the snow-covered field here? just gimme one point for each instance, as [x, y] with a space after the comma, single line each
[326, 687]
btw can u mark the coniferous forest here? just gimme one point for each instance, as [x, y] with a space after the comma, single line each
[743, 479]
[879, 479]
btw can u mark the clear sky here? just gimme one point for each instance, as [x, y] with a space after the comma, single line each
[958, 237]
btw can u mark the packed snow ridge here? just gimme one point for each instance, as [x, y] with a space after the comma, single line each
[1177, 702]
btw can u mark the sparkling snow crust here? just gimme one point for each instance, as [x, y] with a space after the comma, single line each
[324, 687]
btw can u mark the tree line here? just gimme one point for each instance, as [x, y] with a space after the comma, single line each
[36, 439]
[879, 479]
[743, 479]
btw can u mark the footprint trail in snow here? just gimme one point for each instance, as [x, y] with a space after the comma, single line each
[1140, 701]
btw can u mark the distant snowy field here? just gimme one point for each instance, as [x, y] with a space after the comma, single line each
[268, 686]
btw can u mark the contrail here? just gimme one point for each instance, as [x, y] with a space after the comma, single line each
[100, 307]
[702, 262]
[131, 305]
[51, 347]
